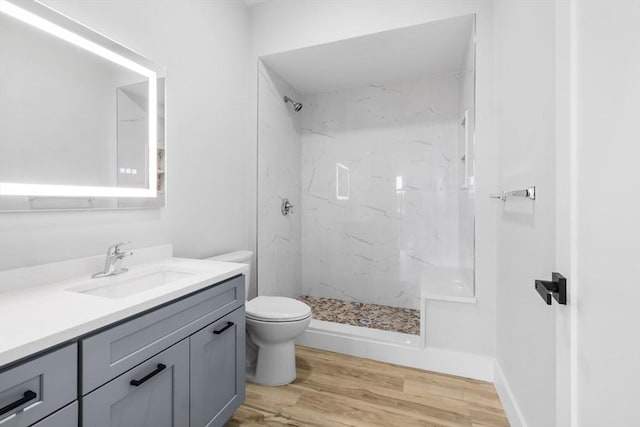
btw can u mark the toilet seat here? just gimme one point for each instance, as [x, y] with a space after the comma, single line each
[276, 309]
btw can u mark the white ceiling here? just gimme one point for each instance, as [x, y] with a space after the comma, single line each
[407, 53]
[253, 2]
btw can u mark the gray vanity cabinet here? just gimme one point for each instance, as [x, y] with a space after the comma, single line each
[32, 390]
[180, 365]
[66, 417]
[112, 352]
[217, 370]
[153, 394]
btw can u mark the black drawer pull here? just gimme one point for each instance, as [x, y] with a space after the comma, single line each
[27, 396]
[161, 367]
[218, 332]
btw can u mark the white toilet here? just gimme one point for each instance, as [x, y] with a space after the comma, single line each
[273, 324]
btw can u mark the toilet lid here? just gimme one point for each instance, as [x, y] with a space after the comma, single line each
[277, 309]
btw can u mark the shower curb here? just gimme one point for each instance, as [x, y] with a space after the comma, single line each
[414, 356]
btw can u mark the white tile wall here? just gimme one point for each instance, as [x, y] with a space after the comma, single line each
[278, 177]
[398, 145]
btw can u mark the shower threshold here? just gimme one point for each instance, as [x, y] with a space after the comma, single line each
[373, 316]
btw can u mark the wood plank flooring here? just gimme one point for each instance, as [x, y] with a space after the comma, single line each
[337, 390]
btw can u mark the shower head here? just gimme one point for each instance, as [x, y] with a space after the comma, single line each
[296, 105]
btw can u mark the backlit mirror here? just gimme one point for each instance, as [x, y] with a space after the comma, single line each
[81, 117]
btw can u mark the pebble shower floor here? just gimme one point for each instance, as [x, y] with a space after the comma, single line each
[384, 317]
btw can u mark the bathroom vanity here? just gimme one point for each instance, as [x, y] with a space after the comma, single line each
[171, 354]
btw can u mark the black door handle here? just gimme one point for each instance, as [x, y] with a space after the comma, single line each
[26, 397]
[219, 331]
[556, 288]
[161, 367]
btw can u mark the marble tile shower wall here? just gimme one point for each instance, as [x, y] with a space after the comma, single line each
[380, 189]
[279, 263]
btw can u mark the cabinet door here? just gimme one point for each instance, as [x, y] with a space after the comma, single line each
[153, 394]
[217, 370]
[66, 417]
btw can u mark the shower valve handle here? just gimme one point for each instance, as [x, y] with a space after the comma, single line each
[286, 208]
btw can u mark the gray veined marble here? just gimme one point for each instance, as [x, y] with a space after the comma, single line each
[398, 141]
[375, 174]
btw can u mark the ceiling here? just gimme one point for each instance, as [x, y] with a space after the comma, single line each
[433, 48]
[253, 2]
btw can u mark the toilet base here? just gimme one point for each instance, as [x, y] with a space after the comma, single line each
[271, 352]
[275, 365]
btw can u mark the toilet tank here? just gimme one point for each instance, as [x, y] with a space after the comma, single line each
[242, 257]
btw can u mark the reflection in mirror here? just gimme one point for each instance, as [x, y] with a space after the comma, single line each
[132, 108]
[82, 118]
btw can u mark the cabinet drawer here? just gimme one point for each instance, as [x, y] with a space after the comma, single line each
[154, 394]
[116, 350]
[67, 417]
[35, 389]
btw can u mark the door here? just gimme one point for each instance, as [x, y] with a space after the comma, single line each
[217, 370]
[153, 394]
[565, 241]
[607, 217]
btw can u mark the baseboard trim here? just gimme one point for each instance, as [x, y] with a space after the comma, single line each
[430, 359]
[508, 400]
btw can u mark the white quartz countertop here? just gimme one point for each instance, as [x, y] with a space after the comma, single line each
[35, 318]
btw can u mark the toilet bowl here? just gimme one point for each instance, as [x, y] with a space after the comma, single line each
[273, 324]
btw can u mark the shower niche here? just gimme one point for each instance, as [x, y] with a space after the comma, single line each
[374, 145]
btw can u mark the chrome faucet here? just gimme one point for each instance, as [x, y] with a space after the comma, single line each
[112, 261]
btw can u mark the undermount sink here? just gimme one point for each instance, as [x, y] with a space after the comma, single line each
[122, 286]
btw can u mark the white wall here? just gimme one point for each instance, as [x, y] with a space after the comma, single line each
[284, 25]
[279, 264]
[204, 46]
[382, 240]
[524, 75]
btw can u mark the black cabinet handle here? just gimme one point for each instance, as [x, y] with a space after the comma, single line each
[161, 367]
[26, 397]
[219, 331]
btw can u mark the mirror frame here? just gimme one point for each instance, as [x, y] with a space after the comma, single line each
[46, 19]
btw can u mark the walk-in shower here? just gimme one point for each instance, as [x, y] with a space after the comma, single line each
[380, 166]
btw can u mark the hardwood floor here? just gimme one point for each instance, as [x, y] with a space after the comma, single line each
[337, 390]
